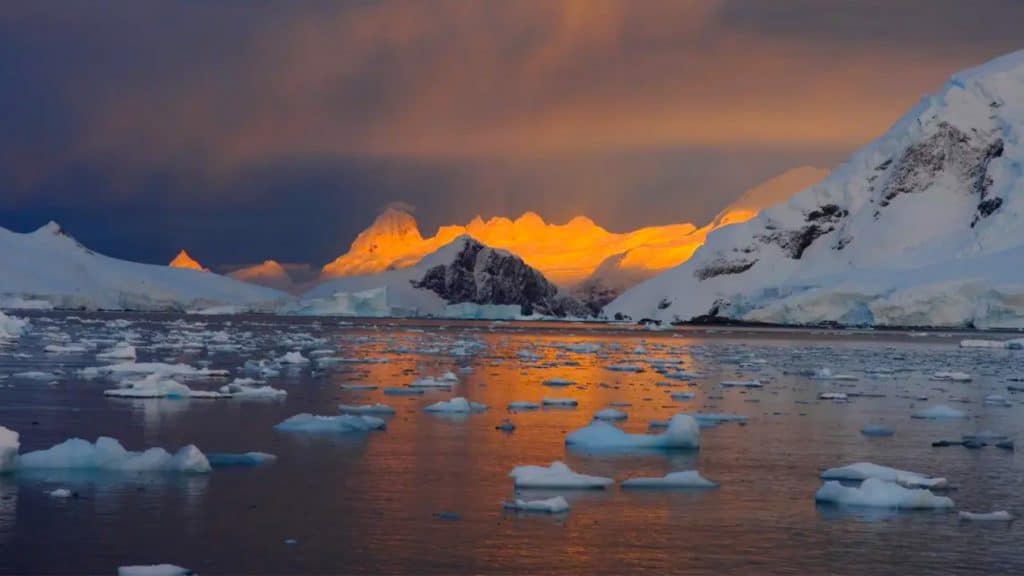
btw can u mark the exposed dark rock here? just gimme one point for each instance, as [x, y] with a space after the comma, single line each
[482, 275]
[721, 266]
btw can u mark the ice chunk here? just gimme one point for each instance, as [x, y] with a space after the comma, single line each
[624, 368]
[458, 405]
[610, 414]
[244, 389]
[317, 424]
[556, 505]
[835, 396]
[152, 386]
[740, 384]
[952, 376]
[557, 382]
[9, 446]
[121, 351]
[294, 358]
[877, 493]
[142, 369]
[227, 459]
[681, 396]
[11, 327]
[557, 476]
[523, 405]
[447, 380]
[399, 391]
[999, 516]
[60, 493]
[684, 479]
[34, 375]
[876, 430]
[559, 402]
[360, 387]
[938, 412]
[65, 349]
[683, 432]
[978, 343]
[865, 470]
[154, 570]
[366, 409]
[107, 454]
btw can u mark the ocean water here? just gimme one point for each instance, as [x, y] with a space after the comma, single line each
[425, 495]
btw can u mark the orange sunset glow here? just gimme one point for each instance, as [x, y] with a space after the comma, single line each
[183, 260]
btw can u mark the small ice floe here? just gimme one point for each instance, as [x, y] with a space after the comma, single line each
[682, 432]
[142, 369]
[65, 349]
[740, 384]
[366, 409]
[876, 431]
[999, 516]
[314, 423]
[245, 389]
[506, 425]
[938, 412]
[624, 368]
[522, 405]
[996, 400]
[952, 376]
[60, 493]
[610, 414]
[446, 380]
[980, 343]
[106, 454]
[34, 375]
[823, 374]
[294, 358]
[681, 396]
[457, 405]
[558, 476]
[704, 419]
[877, 493]
[834, 396]
[120, 351]
[681, 375]
[227, 459]
[558, 382]
[401, 391]
[559, 402]
[673, 480]
[154, 570]
[156, 386]
[556, 505]
[354, 387]
[866, 470]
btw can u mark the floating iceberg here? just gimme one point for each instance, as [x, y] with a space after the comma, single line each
[366, 409]
[876, 430]
[121, 351]
[876, 493]
[952, 376]
[227, 459]
[610, 414]
[681, 396]
[556, 505]
[938, 412]
[142, 369]
[154, 570]
[244, 389]
[293, 358]
[318, 424]
[11, 327]
[557, 382]
[400, 391]
[557, 476]
[559, 402]
[9, 446]
[740, 384]
[446, 380]
[684, 479]
[522, 405]
[156, 386]
[107, 454]
[865, 470]
[1000, 516]
[458, 405]
[683, 432]
[60, 493]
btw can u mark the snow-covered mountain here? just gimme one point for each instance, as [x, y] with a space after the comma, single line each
[269, 273]
[924, 226]
[464, 278]
[619, 272]
[47, 265]
[184, 260]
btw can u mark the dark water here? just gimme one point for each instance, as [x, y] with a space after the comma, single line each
[370, 503]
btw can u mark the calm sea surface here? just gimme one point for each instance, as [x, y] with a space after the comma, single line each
[424, 496]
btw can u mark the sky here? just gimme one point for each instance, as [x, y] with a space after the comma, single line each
[247, 129]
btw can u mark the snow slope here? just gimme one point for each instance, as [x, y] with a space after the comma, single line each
[49, 265]
[461, 279]
[269, 273]
[921, 227]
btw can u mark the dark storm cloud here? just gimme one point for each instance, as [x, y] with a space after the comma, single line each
[252, 130]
